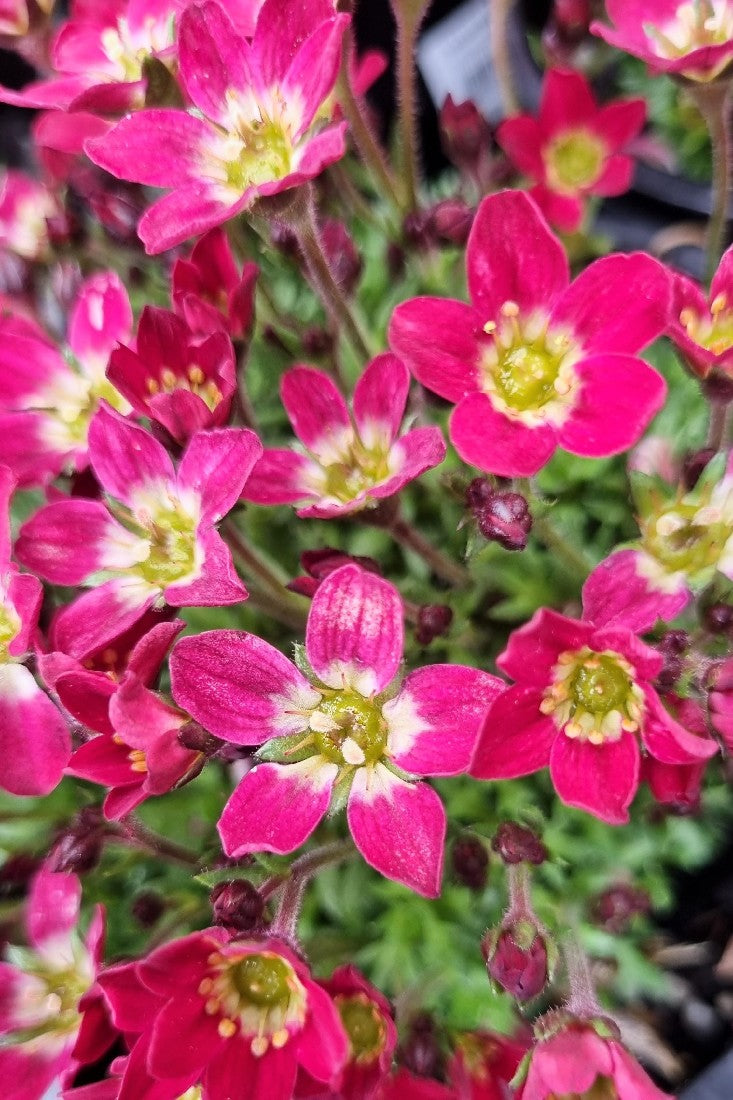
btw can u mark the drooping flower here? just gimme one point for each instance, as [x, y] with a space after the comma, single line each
[209, 291]
[702, 326]
[157, 538]
[686, 537]
[48, 396]
[25, 204]
[351, 463]
[252, 133]
[483, 1064]
[346, 732]
[582, 701]
[34, 740]
[679, 785]
[41, 990]
[574, 148]
[688, 38]
[226, 1011]
[175, 377]
[536, 361]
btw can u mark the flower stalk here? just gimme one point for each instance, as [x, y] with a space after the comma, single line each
[714, 101]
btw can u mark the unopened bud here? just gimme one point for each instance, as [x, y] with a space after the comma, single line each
[194, 737]
[501, 515]
[464, 133]
[718, 618]
[421, 1051]
[433, 620]
[517, 844]
[516, 959]
[15, 875]
[451, 220]
[672, 645]
[317, 341]
[693, 465]
[80, 848]
[148, 908]
[237, 905]
[616, 905]
[345, 262]
[470, 862]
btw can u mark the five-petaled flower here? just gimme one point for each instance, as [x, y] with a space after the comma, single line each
[702, 326]
[537, 361]
[583, 698]
[346, 733]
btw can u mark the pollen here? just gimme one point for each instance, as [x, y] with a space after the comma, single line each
[227, 1028]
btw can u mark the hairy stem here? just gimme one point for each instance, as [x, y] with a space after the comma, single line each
[285, 922]
[132, 829]
[409, 14]
[450, 571]
[498, 19]
[714, 103]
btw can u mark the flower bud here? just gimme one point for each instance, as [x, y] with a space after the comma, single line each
[317, 341]
[516, 844]
[345, 262]
[15, 876]
[672, 645]
[517, 959]
[615, 906]
[194, 737]
[421, 1051]
[433, 620]
[693, 465]
[718, 618]
[464, 133]
[470, 862]
[501, 515]
[148, 908]
[451, 221]
[80, 848]
[237, 905]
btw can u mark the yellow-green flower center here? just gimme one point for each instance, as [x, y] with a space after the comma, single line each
[573, 161]
[263, 152]
[356, 469]
[602, 1089]
[364, 1026]
[72, 402]
[689, 537]
[696, 24]
[9, 628]
[171, 535]
[593, 696]
[528, 369]
[349, 729]
[262, 980]
[54, 1003]
[714, 332]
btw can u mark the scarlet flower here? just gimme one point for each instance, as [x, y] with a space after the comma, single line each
[255, 130]
[574, 147]
[210, 293]
[351, 464]
[582, 700]
[536, 361]
[345, 732]
[167, 550]
[702, 326]
[692, 40]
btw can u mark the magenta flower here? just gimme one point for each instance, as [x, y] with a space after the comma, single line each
[721, 701]
[535, 361]
[345, 732]
[350, 464]
[157, 539]
[483, 1063]
[182, 381]
[692, 40]
[25, 204]
[48, 396]
[255, 131]
[686, 538]
[573, 148]
[702, 327]
[34, 741]
[210, 293]
[679, 785]
[222, 1013]
[582, 700]
[41, 991]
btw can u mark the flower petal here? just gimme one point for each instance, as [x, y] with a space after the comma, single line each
[156, 147]
[125, 457]
[441, 341]
[215, 466]
[102, 614]
[379, 400]
[486, 438]
[280, 477]
[316, 410]
[65, 542]
[601, 779]
[669, 741]
[35, 745]
[516, 738]
[213, 59]
[533, 649]
[618, 593]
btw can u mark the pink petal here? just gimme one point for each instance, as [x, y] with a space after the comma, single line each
[533, 649]
[568, 1062]
[617, 593]
[522, 141]
[129, 1000]
[86, 696]
[618, 122]
[379, 400]
[184, 414]
[7, 487]
[218, 583]
[156, 147]
[629, 1078]
[125, 457]
[105, 761]
[215, 466]
[282, 27]
[667, 740]
[28, 368]
[399, 828]
[25, 1075]
[25, 593]
[414, 453]
[322, 1047]
[647, 661]
[434, 722]
[101, 318]
[239, 687]
[276, 807]
[149, 651]
[53, 908]
[355, 630]
[616, 177]
[601, 779]
[101, 614]
[317, 153]
[618, 397]
[486, 438]
[180, 964]
[619, 304]
[512, 255]
[280, 477]
[722, 281]
[441, 341]
[24, 448]
[235, 1069]
[213, 59]
[34, 742]
[187, 212]
[567, 101]
[184, 1038]
[516, 738]
[563, 211]
[315, 408]
[311, 76]
[67, 541]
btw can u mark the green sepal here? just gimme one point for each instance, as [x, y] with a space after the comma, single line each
[341, 791]
[708, 479]
[210, 879]
[522, 1071]
[300, 659]
[161, 87]
[285, 750]
[407, 776]
[650, 492]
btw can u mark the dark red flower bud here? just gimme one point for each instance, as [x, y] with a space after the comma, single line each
[616, 905]
[346, 263]
[80, 848]
[451, 220]
[573, 14]
[283, 238]
[417, 229]
[478, 493]
[395, 260]
[516, 959]
[421, 1051]
[319, 563]
[148, 908]
[237, 905]
[672, 645]
[693, 465]
[464, 133]
[194, 737]
[470, 862]
[317, 341]
[15, 875]
[718, 618]
[433, 620]
[506, 520]
[516, 844]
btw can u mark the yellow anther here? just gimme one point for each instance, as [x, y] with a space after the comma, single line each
[168, 378]
[212, 1006]
[227, 1028]
[490, 328]
[510, 309]
[719, 303]
[206, 987]
[259, 1046]
[152, 385]
[573, 729]
[280, 1038]
[196, 376]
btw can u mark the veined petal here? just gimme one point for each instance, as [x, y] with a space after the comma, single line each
[282, 27]
[34, 741]
[216, 465]
[190, 210]
[214, 60]
[516, 738]
[533, 649]
[441, 341]
[355, 630]
[317, 411]
[276, 807]
[619, 593]
[70, 539]
[125, 457]
[399, 828]
[53, 910]
[25, 594]
[217, 583]
[667, 740]
[102, 614]
[380, 397]
[158, 147]
[601, 779]
[311, 76]
[412, 454]
[239, 687]
[280, 476]
[486, 438]
[521, 139]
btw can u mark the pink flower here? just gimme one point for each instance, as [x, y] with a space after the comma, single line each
[98, 56]
[48, 396]
[182, 381]
[350, 464]
[34, 741]
[223, 1012]
[210, 293]
[536, 361]
[572, 149]
[404, 1085]
[686, 537]
[15, 15]
[25, 204]
[702, 327]
[40, 1011]
[582, 700]
[166, 549]
[253, 133]
[345, 732]
[579, 1059]
[692, 40]
[483, 1064]
[318, 564]
[721, 701]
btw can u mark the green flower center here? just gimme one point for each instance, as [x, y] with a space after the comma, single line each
[356, 469]
[265, 153]
[528, 371]
[171, 535]
[364, 1026]
[686, 539]
[73, 404]
[593, 696]
[574, 160]
[9, 627]
[262, 980]
[714, 332]
[349, 729]
[56, 1006]
[696, 24]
